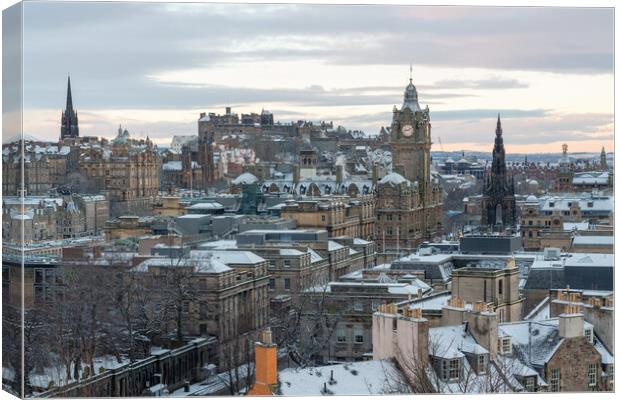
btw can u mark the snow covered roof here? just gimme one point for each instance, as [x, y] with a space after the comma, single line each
[394, 179]
[333, 246]
[593, 241]
[314, 256]
[357, 378]
[590, 259]
[452, 341]
[219, 244]
[432, 303]
[200, 264]
[229, 256]
[534, 341]
[209, 205]
[245, 179]
[571, 226]
[591, 178]
[290, 252]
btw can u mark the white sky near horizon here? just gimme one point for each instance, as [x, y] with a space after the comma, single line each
[154, 67]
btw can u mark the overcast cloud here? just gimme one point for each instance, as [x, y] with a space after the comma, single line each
[348, 64]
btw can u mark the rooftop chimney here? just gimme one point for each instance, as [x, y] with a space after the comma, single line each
[482, 324]
[266, 365]
[571, 321]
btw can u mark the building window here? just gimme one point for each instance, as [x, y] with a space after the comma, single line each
[272, 283]
[38, 276]
[610, 373]
[375, 304]
[500, 287]
[482, 363]
[323, 218]
[357, 306]
[359, 335]
[287, 283]
[287, 263]
[504, 345]
[555, 380]
[588, 335]
[530, 383]
[341, 335]
[592, 375]
[454, 368]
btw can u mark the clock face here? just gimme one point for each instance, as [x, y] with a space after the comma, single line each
[407, 130]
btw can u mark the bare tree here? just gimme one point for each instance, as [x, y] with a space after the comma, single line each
[305, 328]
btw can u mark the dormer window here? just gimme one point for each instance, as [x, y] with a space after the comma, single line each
[450, 369]
[530, 383]
[482, 363]
[504, 345]
[588, 334]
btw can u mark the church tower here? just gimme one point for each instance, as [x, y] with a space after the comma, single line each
[69, 118]
[603, 159]
[410, 198]
[498, 197]
[564, 178]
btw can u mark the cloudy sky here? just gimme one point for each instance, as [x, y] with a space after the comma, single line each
[152, 67]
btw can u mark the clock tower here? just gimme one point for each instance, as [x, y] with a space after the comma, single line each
[410, 199]
[411, 138]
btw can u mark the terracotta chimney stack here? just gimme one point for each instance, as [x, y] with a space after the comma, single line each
[266, 355]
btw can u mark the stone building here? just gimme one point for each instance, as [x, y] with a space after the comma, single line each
[44, 218]
[410, 199]
[498, 204]
[45, 166]
[339, 215]
[551, 221]
[498, 287]
[229, 295]
[484, 356]
[128, 171]
[350, 306]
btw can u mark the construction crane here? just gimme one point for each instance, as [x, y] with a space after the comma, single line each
[440, 144]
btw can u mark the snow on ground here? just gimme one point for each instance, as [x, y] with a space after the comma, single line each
[357, 378]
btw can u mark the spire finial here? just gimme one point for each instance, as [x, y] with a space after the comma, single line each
[410, 72]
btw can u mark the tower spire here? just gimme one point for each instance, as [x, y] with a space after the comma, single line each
[410, 72]
[69, 99]
[498, 130]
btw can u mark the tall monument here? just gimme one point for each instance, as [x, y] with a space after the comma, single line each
[498, 196]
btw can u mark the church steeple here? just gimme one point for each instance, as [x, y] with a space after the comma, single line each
[69, 99]
[498, 130]
[69, 119]
[603, 158]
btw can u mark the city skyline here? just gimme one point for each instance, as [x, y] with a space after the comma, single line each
[324, 67]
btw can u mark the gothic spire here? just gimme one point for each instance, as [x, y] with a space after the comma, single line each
[498, 130]
[69, 99]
